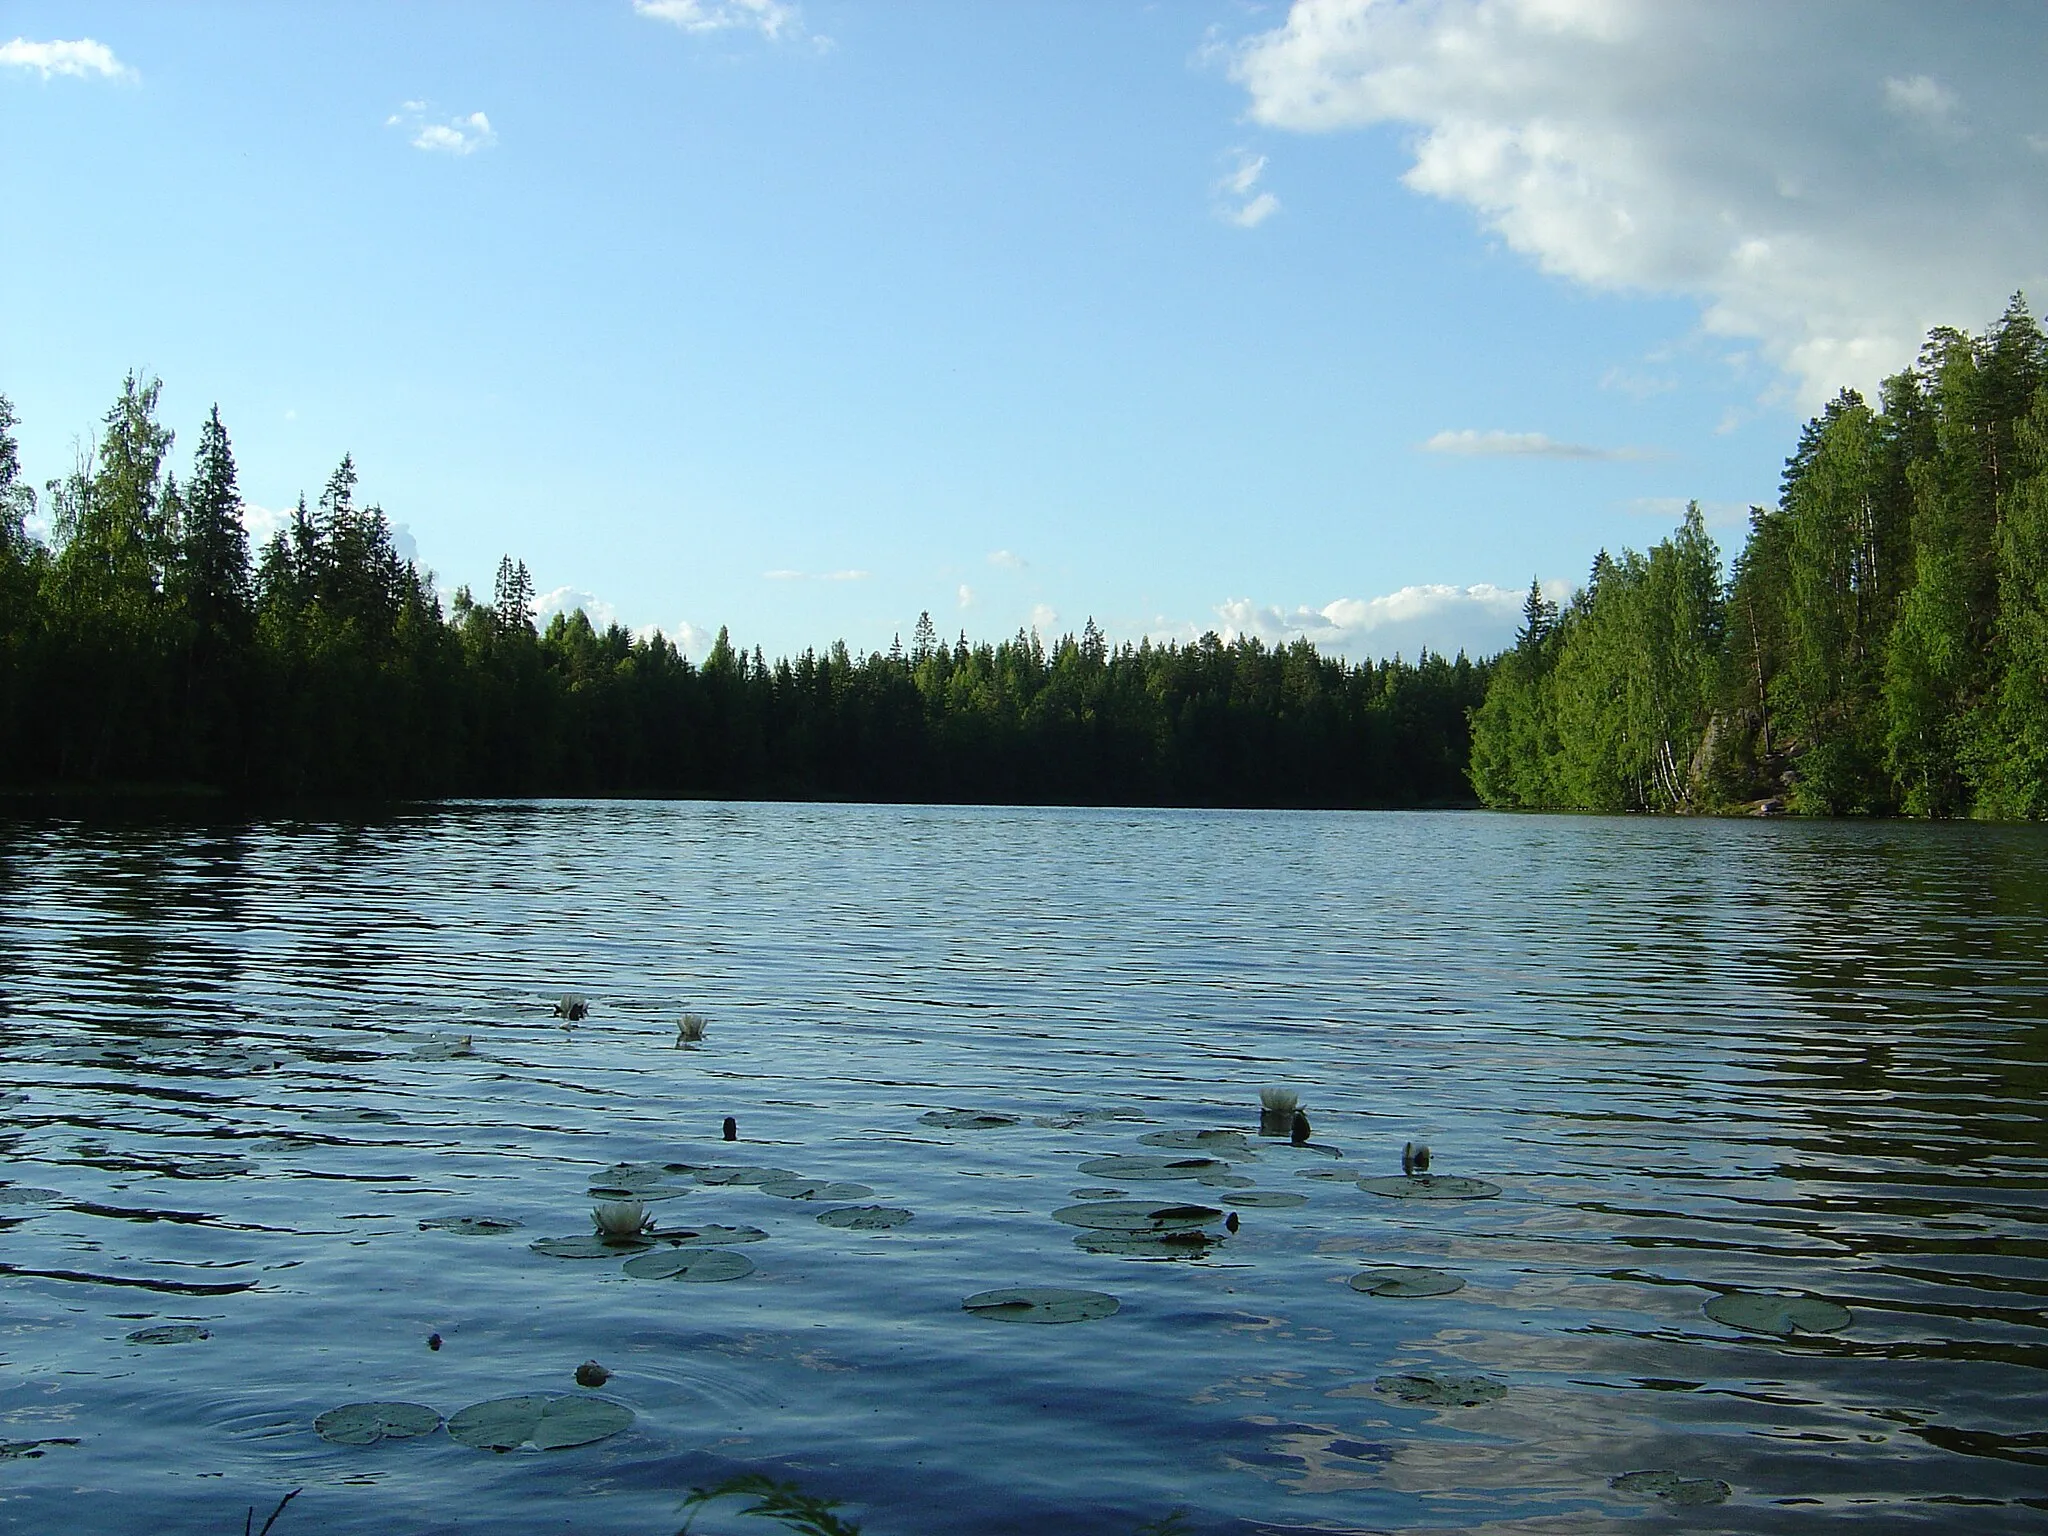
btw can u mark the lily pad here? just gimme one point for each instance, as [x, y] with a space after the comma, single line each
[633, 1175]
[1102, 1192]
[646, 1194]
[1195, 1244]
[588, 1247]
[965, 1120]
[1136, 1216]
[710, 1237]
[549, 1421]
[29, 1450]
[1430, 1186]
[740, 1175]
[1405, 1280]
[169, 1333]
[1783, 1316]
[1042, 1304]
[1252, 1199]
[1124, 1165]
[865, 1218]
[356, 1116]
[1325, 1173]
[1233, 1143]
[701, 1266]
[1224, 1181]
[1442, 1391]
[1672, 1487]
[367, 1423]
[20, 1195]
[471, 1226]
[815, 1189]
[446, 1048]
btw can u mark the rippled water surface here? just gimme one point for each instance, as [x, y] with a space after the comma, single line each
[245, 1061]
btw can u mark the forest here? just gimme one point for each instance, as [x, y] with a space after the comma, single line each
[1880, 646]
[144, 646]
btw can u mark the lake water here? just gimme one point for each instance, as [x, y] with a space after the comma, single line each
[244, 1062]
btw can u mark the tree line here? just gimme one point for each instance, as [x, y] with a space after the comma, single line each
[1879, 647]
[143, 643]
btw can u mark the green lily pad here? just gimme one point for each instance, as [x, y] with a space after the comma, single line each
[1099, 1193]
[1672, 1487]
[1783, 1316]
[1253, 1199]
[740, 1175]
[1429, 1186]
[634, 1176]
[1136, 1216]
[865, 1218]
[471, 1226]
[965, 1120]
[589, 1247]
[169, 1333]
[19, 1195]
[1405, 1280]
[646, 1194]
[1224, 1181]
[549, 1421]
[444, 1048]
[1042, 1304]
[701, 1266]
[815, 1189]
[710, 1237]
[1194, 1244]
[367, 1423]
[1233, 1143]
[1124, 1165]
[1441, 1391]
[29, 1450]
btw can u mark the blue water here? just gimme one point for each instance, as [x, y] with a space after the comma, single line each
[246, 1059]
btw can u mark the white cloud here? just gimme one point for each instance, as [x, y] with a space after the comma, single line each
[775, 20]
[786, 575]
[1237, 199]
[78, 58]
[456, 136]
[263, 523]
[1774, 162]
[966, 595]
[1008, 561]
[1717, 514]
[572, 600]
[1043, 618]
[1473, 444]
[1479, 620]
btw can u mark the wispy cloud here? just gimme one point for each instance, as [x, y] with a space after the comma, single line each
[966, 595]
[1923, 99]
[1718, 514]
[454, 136]
[787, 575]
[1003, 559]
[1238, 200]
[1532, 445]
[776, 20]
[81, 58]
[1479, 619]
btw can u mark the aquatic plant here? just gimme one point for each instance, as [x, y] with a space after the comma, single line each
[1042, 1304]
[1298, 1129]
[1414, 1157]
[1405, 1280]
[865, 1218]
[1277, 1109]
[1430, 1186]
[690, 1029]
[250, 1519]
[1782, 1316]
[802, 1512]
[367, 1423]
[591, 1374]
[1672, 1487]
[621, 1219]
[169, 1333]
[546, 1420]
[573, 1008]
[701, 1266]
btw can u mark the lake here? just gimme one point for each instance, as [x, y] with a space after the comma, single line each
[1791, 1071]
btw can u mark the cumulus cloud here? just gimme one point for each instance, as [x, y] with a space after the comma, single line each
[775, 20]
[966, 595]
[575, 600]
[455, 136]
[1810, 173]
[1238, 200]
[1008, 561]
[81, 58]
[263, 524]
[1479, 620]
[1043, 618]
[1531, 445]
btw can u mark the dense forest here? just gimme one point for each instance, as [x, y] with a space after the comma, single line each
[141, 646]
[1881, 645]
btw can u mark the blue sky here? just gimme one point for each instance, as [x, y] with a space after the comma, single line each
[1341, 320]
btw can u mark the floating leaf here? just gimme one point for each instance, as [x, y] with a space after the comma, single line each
[1312, 1148]
[356, 1116]
[169, 1333]
[700, 1265]
[814, 1189]
[28, 1450]
[588, 1247]
[1325, 1173]
[1194, 1244]
[965, 1120]
[1042, 1304]
[1255, 1198]
[1225, 1181]
[1098, 1194]
[865, 1218]
[644, 1194]
[1136, 1216]
[740, 1175]
[632, 1175]
[1672, 1487]
[367, 1423]
[1442, 1391]
[20, 1195]
[710, 1237]
[1235, 1143]
[444, 1048]
[549, 1421]
[1405, 1280]
[1780, 1315]
[1430, 1186]
[1124, 1165]
[471, 1226]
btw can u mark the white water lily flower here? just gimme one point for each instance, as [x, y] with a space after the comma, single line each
[620, 1218]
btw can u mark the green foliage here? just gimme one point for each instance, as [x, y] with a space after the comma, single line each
[1882, 644]
[787, 1502]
